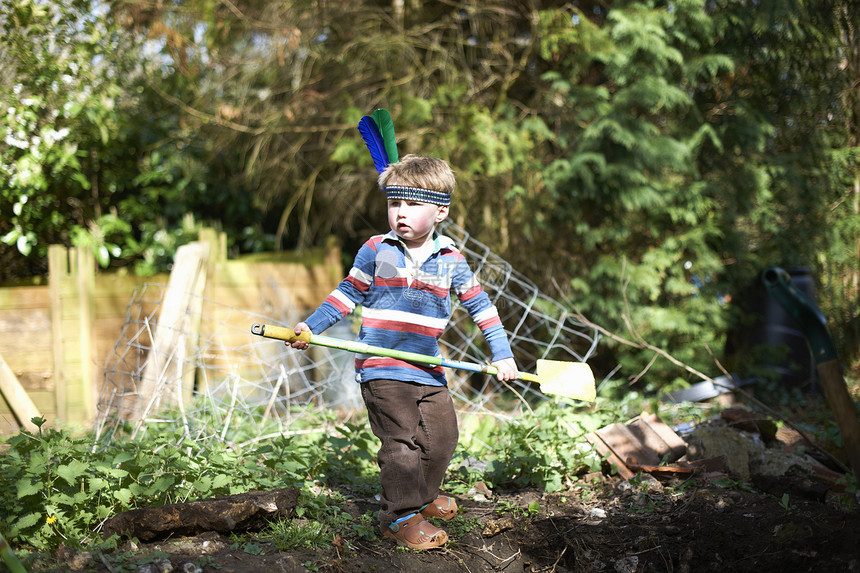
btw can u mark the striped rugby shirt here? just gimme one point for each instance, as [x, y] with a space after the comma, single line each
[408, 313]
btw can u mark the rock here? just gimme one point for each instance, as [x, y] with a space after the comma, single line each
[496, 526]
[241, 512]
[160, 565]
[74, 560]
[708, 441]
[597, 513]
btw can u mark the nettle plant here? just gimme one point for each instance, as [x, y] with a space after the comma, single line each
[61, 488]
[544, 448]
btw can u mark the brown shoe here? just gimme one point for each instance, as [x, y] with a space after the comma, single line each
[443, 507]
[416, 533]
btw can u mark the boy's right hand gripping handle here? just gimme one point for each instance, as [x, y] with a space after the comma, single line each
[281, 333]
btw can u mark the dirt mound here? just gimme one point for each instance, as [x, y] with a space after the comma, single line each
[638, 525]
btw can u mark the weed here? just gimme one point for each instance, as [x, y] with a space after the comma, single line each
[319, 519]
[300, 533]
[544, 449]
[508, 507]
[62, 489]
[252, 548]
[365, 527]
[207, 561]
[458, 528]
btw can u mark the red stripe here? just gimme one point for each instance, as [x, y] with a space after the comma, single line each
[441, 292]
[485, 324]
[381, 362]
[361, 286]
[392, 282]
[471, 293]
[338, 304]
[401, 326]
[373, 241]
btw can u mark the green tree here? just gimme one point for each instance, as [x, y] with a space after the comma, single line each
[276, 91]
[648, 158]
[696, 146]
[623, 192]
[85, 159]
[59, 100]
[840, 268]
[787, 187]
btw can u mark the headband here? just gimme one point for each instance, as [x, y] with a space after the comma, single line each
[417, 194]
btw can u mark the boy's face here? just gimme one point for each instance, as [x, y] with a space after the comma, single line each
[413, 221]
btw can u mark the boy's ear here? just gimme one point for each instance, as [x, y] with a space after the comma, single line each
[441, 214]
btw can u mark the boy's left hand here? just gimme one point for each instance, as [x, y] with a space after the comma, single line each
[507, 369]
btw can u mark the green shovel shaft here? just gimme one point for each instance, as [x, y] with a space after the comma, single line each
[289, 335]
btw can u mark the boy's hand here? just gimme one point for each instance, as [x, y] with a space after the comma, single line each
[507, 369]
[300, 344]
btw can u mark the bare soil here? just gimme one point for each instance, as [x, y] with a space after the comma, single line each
[611, 525]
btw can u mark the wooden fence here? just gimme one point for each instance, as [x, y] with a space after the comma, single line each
[55, 338]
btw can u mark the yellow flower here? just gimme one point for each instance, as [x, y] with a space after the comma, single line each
[51, 519]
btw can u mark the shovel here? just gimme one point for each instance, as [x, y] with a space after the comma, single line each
[569, 379]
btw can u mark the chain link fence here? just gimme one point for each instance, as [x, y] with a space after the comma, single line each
[217, 381]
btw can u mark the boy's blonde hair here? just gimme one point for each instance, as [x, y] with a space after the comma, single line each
[420, 171]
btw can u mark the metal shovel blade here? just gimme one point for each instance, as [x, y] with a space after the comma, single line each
[569, 379]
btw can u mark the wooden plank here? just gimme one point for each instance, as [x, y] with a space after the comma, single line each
[164, 367]
[605, 451]
[40, 326]
[843, 408]
[86, 286]
[21, 298]
[626, 445]
[641, 445]
[57, 269]
[23, 320]
[19, 401]
[44, 401]
[20, 345]
[676, 445]
[32, 367]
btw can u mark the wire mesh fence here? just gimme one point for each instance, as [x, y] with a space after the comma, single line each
[215, 380]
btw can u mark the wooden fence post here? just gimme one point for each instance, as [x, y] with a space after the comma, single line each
[58, 268]
[17, 398]
[174, 337]
[86, 283]
[72, 282]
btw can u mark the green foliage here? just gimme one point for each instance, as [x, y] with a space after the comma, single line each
[346, 458]
[81, 165]
[641, 228]
[545, 449]
[318, 521]
[649, 158]
[63, 488]
[59, 112]
[9, 558]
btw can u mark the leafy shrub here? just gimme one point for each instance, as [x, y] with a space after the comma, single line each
[543, 449]
[61, 488]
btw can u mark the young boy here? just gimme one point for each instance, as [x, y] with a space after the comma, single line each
[403, 281]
